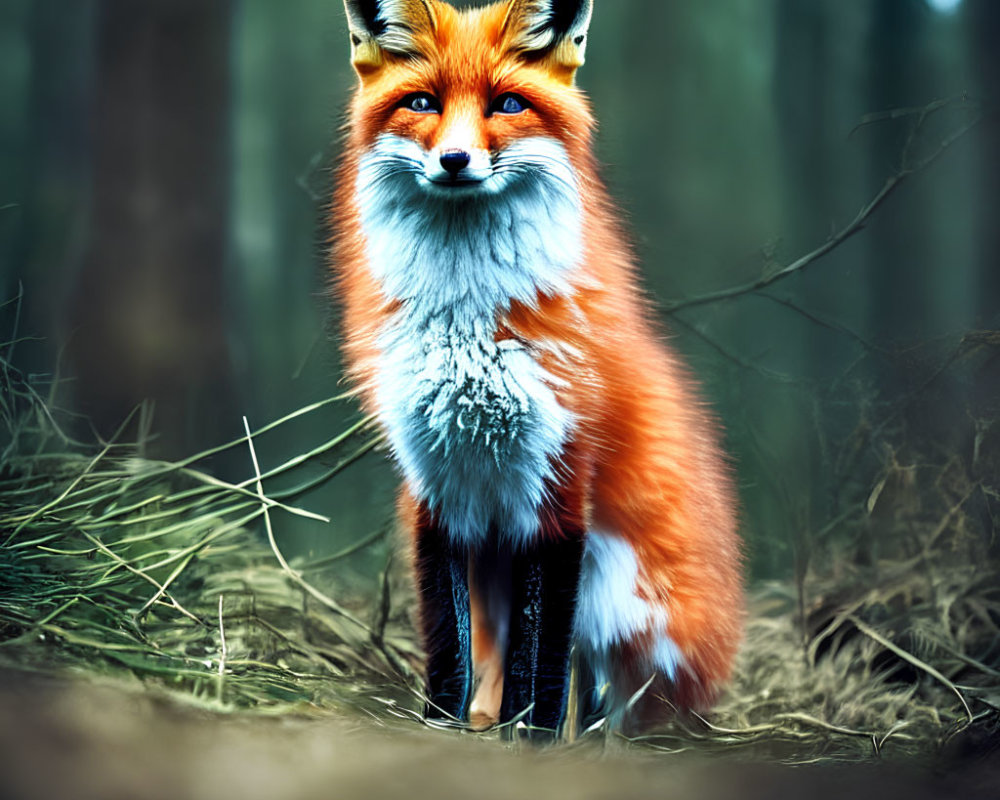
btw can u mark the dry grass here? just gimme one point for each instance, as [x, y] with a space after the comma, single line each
[114, 564]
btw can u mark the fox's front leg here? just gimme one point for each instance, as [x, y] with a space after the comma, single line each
[442, 586]
[544, 583]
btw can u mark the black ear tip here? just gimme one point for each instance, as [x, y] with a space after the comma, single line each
[566, 14]
[368, 12]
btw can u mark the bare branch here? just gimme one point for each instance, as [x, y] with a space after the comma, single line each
[855, 226]
[773, 375]
[823, 322]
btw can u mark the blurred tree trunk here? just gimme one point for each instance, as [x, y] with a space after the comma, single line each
[916, 293]
[984, 23]
[148, 309]
[45, 162]
[802, 87]
[897, 294]
[807, 118]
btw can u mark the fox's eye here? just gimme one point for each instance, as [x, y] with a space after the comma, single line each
[422, 103]
[509, 103]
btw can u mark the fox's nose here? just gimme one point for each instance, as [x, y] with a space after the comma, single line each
[454, 161]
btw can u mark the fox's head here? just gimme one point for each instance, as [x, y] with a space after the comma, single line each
[469, 149]
[468, 102]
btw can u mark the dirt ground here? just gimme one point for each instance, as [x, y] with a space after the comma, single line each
[74, 738]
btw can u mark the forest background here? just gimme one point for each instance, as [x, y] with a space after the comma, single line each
[165, 167]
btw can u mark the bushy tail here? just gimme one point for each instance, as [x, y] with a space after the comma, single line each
[631, 670]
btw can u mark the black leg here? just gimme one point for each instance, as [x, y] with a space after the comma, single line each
[442, 582]
[544, 586]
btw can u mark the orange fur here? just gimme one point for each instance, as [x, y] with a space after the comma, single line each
[645, 459]
[488, 660]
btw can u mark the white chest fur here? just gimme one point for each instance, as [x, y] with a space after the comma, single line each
[474, 424]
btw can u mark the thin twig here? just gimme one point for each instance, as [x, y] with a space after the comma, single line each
[854, 227]
[166, 585]
[38, 512]
[19, 303]
[911, 659]
[323, 563]
[224, 653]
[333, 605]
[778, 377]
[141, 574]
[829, 324]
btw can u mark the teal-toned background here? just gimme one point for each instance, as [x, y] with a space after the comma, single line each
[164, 168]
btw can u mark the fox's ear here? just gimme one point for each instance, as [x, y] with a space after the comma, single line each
[555, 30]
[379, 27]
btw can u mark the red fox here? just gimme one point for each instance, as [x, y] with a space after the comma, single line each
[565, 491]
